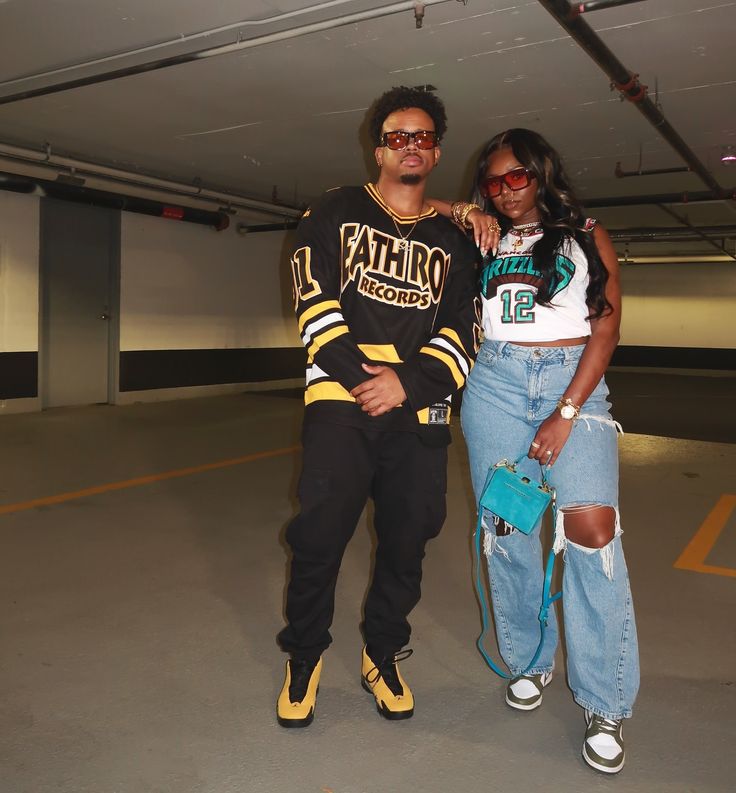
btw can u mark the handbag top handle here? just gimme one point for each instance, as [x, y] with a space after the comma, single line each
[513, 466]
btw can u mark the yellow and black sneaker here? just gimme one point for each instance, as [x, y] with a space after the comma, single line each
[295, 707]
[394, 699]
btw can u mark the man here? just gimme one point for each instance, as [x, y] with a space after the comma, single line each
[384, 295]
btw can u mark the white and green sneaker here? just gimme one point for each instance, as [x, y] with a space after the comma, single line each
[525, 692]
[603, 747]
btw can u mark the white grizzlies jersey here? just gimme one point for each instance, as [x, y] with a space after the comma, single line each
[508, 287]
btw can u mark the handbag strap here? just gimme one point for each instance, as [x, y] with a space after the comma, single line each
[547, 599]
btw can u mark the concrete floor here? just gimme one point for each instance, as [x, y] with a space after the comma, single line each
[138, 621]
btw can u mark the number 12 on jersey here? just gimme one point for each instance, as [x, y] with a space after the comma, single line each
[517, 308]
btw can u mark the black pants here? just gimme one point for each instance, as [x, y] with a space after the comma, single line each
[342, 467]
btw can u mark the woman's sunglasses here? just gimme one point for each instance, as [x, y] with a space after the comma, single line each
[517, 179]
[399, 139]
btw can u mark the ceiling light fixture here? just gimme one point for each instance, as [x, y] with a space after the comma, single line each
[728, 155]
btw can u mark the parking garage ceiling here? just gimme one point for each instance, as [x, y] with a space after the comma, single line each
[267, 98]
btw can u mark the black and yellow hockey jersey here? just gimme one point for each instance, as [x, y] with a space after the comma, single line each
[371, 286]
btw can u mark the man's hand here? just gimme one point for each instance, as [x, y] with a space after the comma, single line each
[381, 393]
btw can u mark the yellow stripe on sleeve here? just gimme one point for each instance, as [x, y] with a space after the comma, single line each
[380, 352]
[322, 339]
[449, 362]
[451, 334]
[326, 390]
[320, 308]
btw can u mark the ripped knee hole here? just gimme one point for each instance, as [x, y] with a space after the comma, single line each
[589, 525]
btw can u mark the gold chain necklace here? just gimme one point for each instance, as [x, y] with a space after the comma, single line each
[524, 230]
[403, 238]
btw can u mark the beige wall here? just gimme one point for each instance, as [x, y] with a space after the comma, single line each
[679, 305]
[19, 243]
[190, 287]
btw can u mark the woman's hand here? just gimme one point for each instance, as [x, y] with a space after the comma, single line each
[550, 439]
[486, 231]
[485, 228]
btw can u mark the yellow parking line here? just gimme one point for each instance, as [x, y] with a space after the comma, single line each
[141, 480]
[694, 555]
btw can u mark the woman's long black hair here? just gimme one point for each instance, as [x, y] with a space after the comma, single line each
[562, 216]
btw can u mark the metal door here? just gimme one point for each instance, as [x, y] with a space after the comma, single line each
[80, 257]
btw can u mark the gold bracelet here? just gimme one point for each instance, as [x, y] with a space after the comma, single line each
[459, 211]
[455, 208]
[467, 209]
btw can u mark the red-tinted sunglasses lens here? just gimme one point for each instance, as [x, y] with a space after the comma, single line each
[517, 179]
[424, 139]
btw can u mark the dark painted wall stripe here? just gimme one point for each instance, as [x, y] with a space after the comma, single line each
[18, 375]
[675, 357]
[142, 370]
[145, 369]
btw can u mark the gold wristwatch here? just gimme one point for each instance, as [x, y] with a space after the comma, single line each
[568, 409]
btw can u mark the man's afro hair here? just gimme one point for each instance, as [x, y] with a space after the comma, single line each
[400, 98]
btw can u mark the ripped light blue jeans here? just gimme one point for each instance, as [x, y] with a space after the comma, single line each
[510, 391]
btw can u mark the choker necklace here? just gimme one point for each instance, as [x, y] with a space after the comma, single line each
[524, 230]
[403, 238]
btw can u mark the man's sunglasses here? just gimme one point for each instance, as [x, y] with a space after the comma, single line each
[517, 179]
[399, 139]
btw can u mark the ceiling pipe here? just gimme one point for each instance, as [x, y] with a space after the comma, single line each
[62, 164]
[662, 198]
[101, 198]
[627, 84]
[247, 228]
[644, 234]
[621, 174]
[178, 41]
[721, 247]
[598, 5]
[210, 52]
[673, 259]
[658, 233]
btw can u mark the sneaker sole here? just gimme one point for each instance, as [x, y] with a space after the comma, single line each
[305, 722]
[520, 706]
[605, 769]
[534, 705]
[391, 715]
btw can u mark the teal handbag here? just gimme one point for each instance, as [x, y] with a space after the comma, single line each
[520, 502]
[514, 498]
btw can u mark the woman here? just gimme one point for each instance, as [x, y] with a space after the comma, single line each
[551, 314]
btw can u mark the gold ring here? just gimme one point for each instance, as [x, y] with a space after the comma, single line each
[548, 451]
